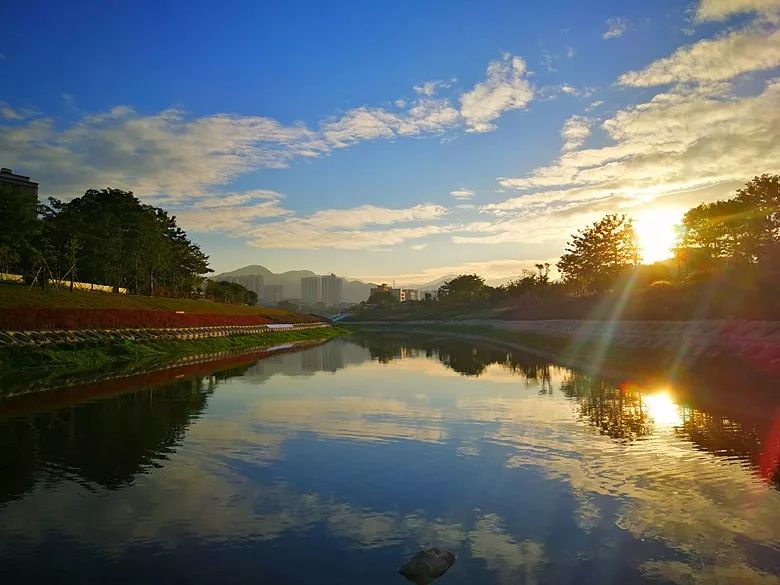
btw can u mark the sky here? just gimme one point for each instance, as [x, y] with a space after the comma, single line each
[394, 141]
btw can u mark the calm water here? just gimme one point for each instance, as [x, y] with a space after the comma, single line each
[334, 464]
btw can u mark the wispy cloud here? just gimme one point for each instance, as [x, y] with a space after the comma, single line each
[429, 88]
[616, 27]
[681, 146]
[180, 156]
[8, 113]
[462, 193]
[753, 48]
[722, 9]
[574, 132]
[506, 88]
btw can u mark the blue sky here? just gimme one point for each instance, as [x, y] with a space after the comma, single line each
[398, 140]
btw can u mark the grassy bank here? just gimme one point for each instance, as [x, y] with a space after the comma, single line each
[84, 358]
[14, 297]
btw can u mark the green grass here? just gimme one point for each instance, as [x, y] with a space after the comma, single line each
[27, 362]
[14, 296]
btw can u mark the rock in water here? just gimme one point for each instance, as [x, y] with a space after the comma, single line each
[427, 565]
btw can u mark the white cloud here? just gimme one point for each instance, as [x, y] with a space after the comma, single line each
[300, 235]
[570, 52]
[233, 199]
[370, 214]
[152, 154]
[506, 88]
[616, 27]
[169, 153]
[712, 60]
[682, 147]
[568, 89]
[429, 88]
[594, 105]
[722, 9]
[8, 113]
[462, 193]
[574, 132]
[418, 247]
[348, 229]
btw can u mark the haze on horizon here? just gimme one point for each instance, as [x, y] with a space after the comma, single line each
[397, 142]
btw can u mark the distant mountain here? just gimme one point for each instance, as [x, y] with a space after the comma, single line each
[432, 285]
[354, 291]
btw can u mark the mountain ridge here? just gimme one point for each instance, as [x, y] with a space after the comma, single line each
[354, 290]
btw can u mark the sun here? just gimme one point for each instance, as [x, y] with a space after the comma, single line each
[655, 230]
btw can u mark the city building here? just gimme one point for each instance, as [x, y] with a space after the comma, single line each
[408, 294]
[311, 289]
[402, 295]
[272, 293]
[332, 288]
[322, 289]
[10, 179]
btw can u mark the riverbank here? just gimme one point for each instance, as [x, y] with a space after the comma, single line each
[671, 344]
[43, 360]
[24, 308]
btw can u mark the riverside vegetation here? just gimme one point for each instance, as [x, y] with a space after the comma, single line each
[726, 265]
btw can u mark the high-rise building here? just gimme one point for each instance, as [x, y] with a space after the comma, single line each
[322, 289]
[10, 179]
[311, 289]
[272, 293]
[332, 287]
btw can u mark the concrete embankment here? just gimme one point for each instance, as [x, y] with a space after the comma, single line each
[752, 339]
[78, 337]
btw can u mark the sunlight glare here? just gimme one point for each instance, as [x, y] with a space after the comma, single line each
[656, 233]
[662, 409]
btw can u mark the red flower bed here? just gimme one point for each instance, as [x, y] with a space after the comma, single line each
[27, 319]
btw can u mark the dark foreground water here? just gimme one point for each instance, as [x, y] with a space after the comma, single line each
[334, 464]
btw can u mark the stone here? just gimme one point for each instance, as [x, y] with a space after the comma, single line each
[427, 565]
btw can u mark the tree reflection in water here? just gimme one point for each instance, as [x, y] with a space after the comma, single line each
[623, 411]
[105, 443]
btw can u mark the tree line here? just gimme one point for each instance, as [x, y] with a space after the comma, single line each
[106, 237]
[734, 241]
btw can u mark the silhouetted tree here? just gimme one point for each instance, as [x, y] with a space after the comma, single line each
[738, 230]
[382, 297]
[464, 288]
[598, 255]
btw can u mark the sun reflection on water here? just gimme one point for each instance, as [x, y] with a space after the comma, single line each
[661, 407]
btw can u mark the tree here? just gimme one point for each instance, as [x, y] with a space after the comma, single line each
[738, 230]
[598, 255]
[110, 237]
[230, 292]
[718, 228]
[19, 227]
[761, 199]
[382, 297]
[464, 288]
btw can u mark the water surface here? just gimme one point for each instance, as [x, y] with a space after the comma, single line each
[334, 464]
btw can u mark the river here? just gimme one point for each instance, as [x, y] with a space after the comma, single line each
[336, 463]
